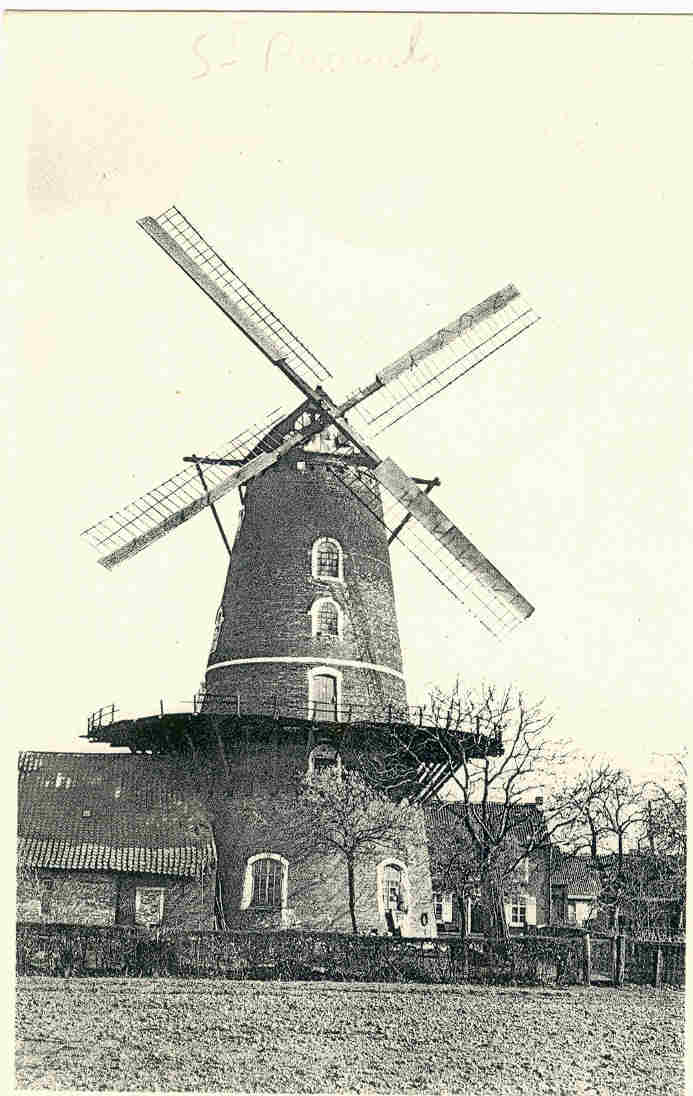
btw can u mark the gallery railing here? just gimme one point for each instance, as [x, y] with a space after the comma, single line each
[287, 705]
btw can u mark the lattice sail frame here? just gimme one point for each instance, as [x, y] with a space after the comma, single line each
[423, 372]
[440, 547]
[180, 497]
[174, 233]
[440, 360]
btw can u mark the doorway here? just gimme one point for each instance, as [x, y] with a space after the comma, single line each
[323, 696]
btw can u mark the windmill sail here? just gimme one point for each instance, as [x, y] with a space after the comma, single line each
[441, 547]
[180, 497]
[441, 359]
[173, 232]
[411, 380]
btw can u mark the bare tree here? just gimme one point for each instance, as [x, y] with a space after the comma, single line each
[498, 826]
[479, 854]
[623, 811]
[582, 801]
[337, 812]
[666, 810]
[643, 892]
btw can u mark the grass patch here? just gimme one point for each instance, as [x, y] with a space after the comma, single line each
[186, 1035]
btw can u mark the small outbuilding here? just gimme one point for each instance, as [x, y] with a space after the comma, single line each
[109, 839]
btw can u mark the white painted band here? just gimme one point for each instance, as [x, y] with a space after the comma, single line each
[317, 661]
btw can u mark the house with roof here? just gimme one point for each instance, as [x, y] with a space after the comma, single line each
[640, 893]
[520, 833]
[109, 839]
[575, 887]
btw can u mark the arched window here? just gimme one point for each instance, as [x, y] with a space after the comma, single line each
[393, 888]
[327, 562]
[326, 617]
[265, 883]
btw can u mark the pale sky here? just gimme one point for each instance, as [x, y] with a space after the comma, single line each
[371, 177]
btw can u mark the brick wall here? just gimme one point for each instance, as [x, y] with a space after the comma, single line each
[259, 685]
[317, 891]
[107, 898]
[73, 898]
[188, 903]
[270, 589]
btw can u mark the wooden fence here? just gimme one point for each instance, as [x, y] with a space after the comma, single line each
[654, 962]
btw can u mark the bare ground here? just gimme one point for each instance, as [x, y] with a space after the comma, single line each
[186, 1035]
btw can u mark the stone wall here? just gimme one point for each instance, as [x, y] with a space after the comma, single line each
[73, 898]
[107, 898]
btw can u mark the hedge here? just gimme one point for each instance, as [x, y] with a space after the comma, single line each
[119, 950]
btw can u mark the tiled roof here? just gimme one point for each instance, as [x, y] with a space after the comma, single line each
[526, 821]
[656, 877]
[579, 874]
[117, 812]
[582, 876]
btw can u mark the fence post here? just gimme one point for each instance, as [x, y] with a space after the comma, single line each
[657, 968]
[587, 959]
[620, 959]
[614, 959]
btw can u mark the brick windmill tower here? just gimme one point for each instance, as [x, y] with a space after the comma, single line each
[306, 663]
[308, 610]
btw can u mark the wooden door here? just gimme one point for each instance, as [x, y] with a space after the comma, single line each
[324, 696]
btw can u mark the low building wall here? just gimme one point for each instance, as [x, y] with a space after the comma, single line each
[108, 898]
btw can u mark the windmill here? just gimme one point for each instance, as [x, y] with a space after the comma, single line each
[307, 621]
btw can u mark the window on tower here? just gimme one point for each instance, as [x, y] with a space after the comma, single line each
[327, 560]
[218, 624]
[392, 896]
[326, 616]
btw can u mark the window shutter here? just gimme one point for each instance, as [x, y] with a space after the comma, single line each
[447, 907]
[508, 912]
[531, 910]
[149, 905]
